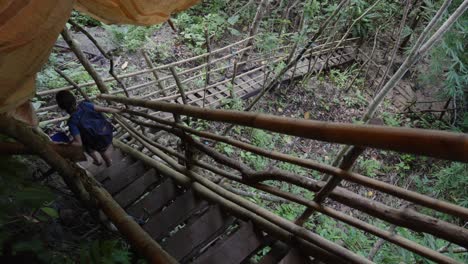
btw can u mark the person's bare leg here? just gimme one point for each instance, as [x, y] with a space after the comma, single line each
[107, 156]
[95, 157]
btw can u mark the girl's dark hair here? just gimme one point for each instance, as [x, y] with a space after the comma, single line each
[66, 101]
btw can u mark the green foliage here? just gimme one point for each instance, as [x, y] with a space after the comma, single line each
[292, 168]
[17, 190]
[235, 103]
[391, 119]
[369, 166]
[84, 20]
[451, 183]
[257, 162]
[449, 59]
[105, 252]
[19, 198]
[130, 37]
[195, 23]
[225, 148]
[267, 42]
[262, 139]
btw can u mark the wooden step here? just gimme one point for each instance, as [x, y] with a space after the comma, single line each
[114, 169]
[155, 200]
[137, 188]
[234, 249]
[195, 235]
[121, 179]
[116, 155]
[163, 222]
[294, 256]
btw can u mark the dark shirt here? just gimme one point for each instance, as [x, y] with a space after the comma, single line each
[74, 119]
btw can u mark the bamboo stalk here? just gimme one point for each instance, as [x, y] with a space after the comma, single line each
[70, 81]
[155, 73]
[179, 85]
[75, 47]
[104, 53]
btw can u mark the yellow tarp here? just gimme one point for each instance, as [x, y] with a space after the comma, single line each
[29, 29]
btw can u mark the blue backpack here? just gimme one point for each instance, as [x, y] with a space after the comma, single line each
[95, 130]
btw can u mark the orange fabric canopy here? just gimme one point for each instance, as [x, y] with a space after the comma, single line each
[139, 12]
[29, 29]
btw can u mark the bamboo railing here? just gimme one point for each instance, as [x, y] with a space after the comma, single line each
[430, 143]
[220, 70]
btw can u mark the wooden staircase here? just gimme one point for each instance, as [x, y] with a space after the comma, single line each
[189, 228]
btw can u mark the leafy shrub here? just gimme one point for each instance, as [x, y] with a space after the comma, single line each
[105, 252]
[84, 20]
[131, 38]
[452, 183]
[369, 166]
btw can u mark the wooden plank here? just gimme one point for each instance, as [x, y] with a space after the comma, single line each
[277, 252]
[162, 223]
[155, 200]
[294, 256]
[191, 97]
[183, 242]
[131, 193]
[116, 155]
[114, 169]
[224, 91]
[234, 249]
[122, 178]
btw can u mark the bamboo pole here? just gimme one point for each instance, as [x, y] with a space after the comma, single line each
[75, 47]
[432, 143]
[155, 73]
[262, 6]
[106, 55]
[179, 85]
[208, 65]
[70, 81]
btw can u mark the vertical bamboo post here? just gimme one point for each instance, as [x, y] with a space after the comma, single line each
[104, 53]
[208, 65]
[155, 74]
[233, 79]
[253, 30]
[346, 164]
[179, 85]
[184, 137]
